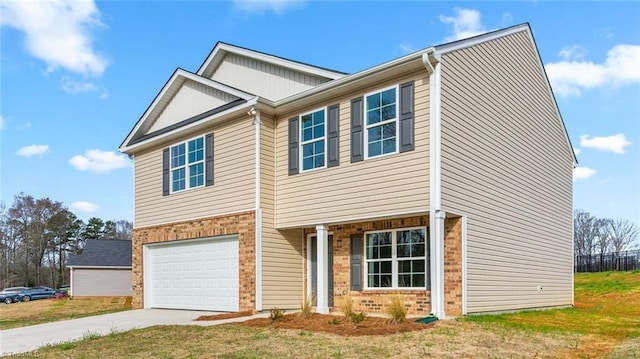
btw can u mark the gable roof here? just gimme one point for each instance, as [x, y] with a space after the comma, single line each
[103, 253]
[221, 49]
[168, 91]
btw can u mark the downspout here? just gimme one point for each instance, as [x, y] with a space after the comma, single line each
[436, 215]
[258, 210]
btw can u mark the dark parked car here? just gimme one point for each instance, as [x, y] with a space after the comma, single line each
[39, 293]
[10, 295]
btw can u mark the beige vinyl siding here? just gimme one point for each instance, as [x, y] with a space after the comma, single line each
[384, 186]
[506, 164]
[192, 99]
[281, 251]
[234, 180]
[263, 79]
[93, 282]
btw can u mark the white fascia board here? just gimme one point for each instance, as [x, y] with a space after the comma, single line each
[472, 41]
[99, 267]
[180, 74]
[296, 66]
[205, 121]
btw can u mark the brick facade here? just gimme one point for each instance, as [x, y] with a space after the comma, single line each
[375, 301]
[242, 224]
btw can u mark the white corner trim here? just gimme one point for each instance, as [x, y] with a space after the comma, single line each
[322, 266]
[462, 44]
[437, 146]
[258, 227]
[146, 277]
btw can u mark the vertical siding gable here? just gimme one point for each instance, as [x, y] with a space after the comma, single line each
[262, 79]
[507, 165]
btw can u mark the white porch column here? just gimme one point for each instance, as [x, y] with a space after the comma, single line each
[437, 263]
[322, 291]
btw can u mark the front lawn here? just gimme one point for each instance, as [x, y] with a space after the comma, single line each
[52, 310]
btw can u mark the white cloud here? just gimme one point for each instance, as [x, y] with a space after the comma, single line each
[260, 6]
[82, 206]
[570, 77]
[76, 87]
[507, 19]
[614, 143]
[574, 52]
[57, 32]
[406, 47]
[25, 126]
[33, 150]
[581, 173]
[466, 23]
[577, 151]
[99, 161]
[1, 122]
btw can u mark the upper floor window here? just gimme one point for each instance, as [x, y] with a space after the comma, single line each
[313, 139]
[396, 258]
[187, 164]
[381, 122]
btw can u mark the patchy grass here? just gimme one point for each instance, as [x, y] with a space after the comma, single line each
[607, 312]
[605, 324]
[52, 310]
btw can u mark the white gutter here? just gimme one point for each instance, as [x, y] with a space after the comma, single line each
[99, 267]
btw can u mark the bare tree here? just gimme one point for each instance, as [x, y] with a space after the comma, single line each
[586, 232]
[622, 234]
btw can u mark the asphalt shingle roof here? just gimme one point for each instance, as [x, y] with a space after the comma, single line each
[103, 253]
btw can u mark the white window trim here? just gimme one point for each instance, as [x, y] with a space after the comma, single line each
[367, 126]
[187, 164]
[302, 143]
[394, 260]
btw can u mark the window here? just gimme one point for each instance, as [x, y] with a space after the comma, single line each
[397, 258]
[187, 165]
[381, 122]
[312, 135]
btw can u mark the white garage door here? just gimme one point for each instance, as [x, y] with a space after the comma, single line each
[196, 274]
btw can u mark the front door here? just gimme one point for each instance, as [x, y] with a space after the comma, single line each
[312, 268]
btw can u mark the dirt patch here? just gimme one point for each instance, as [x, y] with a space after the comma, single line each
[339, 325]
[224, 316]
[583, 305]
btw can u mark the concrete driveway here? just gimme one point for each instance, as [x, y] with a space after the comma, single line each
[20, 340]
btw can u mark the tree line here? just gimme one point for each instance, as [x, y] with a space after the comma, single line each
[599, 236]
[38, 235]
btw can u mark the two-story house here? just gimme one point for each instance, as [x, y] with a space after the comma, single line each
[444, 176]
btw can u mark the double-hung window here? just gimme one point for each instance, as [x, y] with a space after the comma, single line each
[397, 258]
[313, 133]
[381, 122]
[187, 164]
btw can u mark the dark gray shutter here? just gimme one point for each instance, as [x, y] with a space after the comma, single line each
[407, 136]
[357, 130]
[428, 255]
[165, 172]
[208, 160]
[356, 262]
[333, 143]
[294, 161]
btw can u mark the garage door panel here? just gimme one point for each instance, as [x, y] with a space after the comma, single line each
[201, 275]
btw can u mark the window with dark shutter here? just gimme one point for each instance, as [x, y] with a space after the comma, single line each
[294, 162]
[333, 142]
[407, 136]
[356, 262]
[357, 130]
[208, 160]
[165, 172]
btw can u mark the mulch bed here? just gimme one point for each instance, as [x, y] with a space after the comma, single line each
[338, 325]
[224, 316]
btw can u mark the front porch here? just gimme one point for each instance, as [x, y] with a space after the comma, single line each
[372, 260]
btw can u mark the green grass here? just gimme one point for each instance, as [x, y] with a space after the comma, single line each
[607, 304]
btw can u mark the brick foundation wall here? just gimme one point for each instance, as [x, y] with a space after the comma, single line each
[453, 266]
[242, 224]
[369, 301]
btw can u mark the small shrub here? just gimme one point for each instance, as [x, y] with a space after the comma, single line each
[276, 314]
[334, 321]
[305, 306]
[346, 305]
[357, 318]
[397, 309]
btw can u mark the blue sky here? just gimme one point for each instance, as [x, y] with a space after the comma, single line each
[76, 76]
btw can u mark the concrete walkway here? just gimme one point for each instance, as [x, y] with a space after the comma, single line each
[20, 340]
